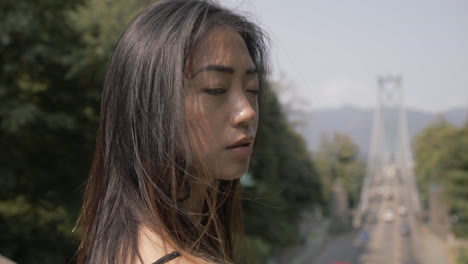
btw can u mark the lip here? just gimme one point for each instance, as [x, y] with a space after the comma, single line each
[242, 147]
[241, 142]
[243, 151]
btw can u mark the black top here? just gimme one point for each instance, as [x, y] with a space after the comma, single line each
[167, 258]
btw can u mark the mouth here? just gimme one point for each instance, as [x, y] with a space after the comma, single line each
[241, 150]
[239, 146]
[243, 147]
[243, 142]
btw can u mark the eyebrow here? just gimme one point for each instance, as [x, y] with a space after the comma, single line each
[224, 69]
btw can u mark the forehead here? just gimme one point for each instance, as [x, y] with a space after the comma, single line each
[222, 46]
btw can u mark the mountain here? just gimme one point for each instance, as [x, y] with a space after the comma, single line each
[357, 123]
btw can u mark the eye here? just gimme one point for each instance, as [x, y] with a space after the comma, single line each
[254, 91]
[215, 91]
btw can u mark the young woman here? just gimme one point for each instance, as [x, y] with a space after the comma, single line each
[179, 116]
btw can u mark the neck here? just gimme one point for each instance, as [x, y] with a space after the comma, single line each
[196, 201]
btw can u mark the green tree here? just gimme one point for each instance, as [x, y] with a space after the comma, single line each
[442, 159]
[100, 23]
[433, 148]
[53, 58]
[45, 131]
[337, 160]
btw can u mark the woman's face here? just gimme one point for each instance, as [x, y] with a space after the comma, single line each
[221, 106]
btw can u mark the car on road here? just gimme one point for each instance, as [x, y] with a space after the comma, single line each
[405, 229]
[388, 215]
[363, 236]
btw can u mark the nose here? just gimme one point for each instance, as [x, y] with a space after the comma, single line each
[245, 114]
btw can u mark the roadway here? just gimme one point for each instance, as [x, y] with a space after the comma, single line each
[384, 241]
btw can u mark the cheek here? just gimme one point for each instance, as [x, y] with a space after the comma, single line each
[205, 126]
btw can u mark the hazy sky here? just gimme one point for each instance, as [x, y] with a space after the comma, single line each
[329, 53]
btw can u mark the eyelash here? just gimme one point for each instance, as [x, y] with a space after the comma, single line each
[216, 91]
[255, 91]
[219, 91]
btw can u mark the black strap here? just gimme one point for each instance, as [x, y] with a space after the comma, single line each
[167, 258]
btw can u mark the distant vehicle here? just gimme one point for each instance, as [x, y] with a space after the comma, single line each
[388, 216]
[363, 236]
[405, 230]
[402, 210]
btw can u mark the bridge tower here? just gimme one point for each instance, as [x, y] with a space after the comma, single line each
[390, 149]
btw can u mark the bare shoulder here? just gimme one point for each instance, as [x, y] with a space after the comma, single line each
[152, 247]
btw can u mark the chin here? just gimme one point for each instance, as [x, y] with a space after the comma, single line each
[233, 173]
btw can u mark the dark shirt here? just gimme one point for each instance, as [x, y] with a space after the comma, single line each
[167, 258]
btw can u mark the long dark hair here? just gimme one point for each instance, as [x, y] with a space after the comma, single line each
[142, 170]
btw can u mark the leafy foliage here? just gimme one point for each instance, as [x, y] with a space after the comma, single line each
[442, 159]
[46, 131]
[337, 160]
[53, 57]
